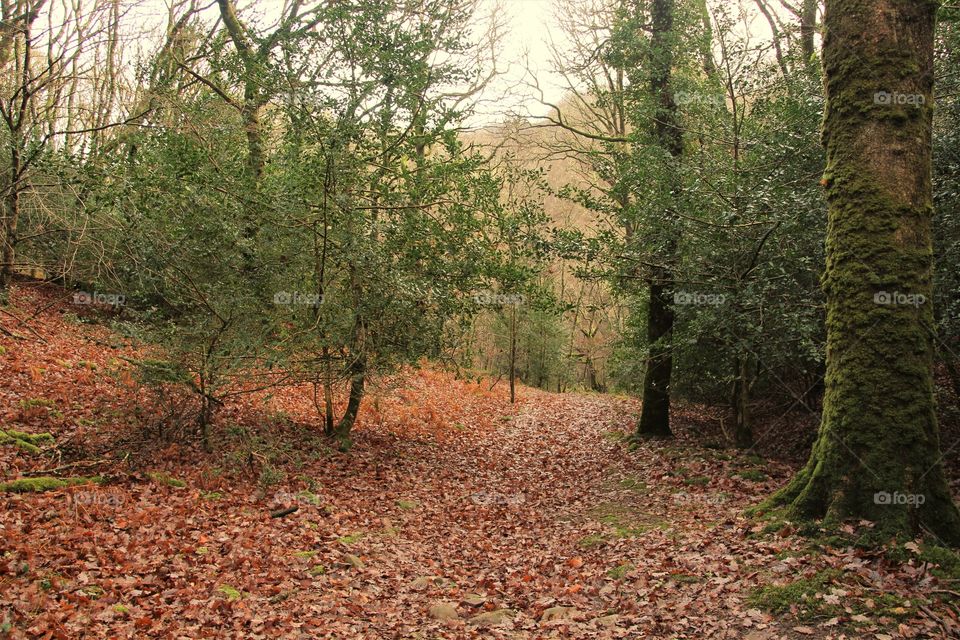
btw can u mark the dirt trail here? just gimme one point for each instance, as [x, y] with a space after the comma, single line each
[455, 515]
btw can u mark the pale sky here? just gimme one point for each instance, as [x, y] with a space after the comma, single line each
[530, 28]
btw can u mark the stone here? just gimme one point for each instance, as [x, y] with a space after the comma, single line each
[494, 618]
[353, 561]
[553, 614]
[444, 611]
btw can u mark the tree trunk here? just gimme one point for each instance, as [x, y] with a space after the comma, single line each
[877, 456]
[808, 27]
[743, 429]
[342, 432]
[513, 353]
[655, 410]
[11, 219]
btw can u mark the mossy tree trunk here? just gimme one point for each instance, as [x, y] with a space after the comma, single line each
[878, 453]
[655, 410]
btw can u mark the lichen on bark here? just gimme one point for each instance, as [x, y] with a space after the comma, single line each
[878, 455]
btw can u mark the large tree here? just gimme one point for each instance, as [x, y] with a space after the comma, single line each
[655, 414]
[878, 452]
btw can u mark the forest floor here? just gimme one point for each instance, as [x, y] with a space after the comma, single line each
[455, 515]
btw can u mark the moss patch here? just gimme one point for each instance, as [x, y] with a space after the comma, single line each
[637, 486]
[591, 541]
[166, 479]
[620, 571]
[350, 539]
[29, 442]
[754, 475]
[230, 592]
[814, 598]
[43, 483]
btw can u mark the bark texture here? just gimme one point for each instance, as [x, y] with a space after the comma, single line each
[878, 452]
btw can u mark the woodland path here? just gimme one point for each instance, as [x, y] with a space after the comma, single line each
[453, 503]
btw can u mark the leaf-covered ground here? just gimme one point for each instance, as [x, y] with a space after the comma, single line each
[455, 515]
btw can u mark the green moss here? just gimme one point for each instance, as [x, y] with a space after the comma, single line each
[634, 485]
[754, 475]
[625, 522]
[350, 539]
[801, 593]
[407, 505]
[32, 438]
[31, 403]
[620, 571]
[318, 570]
[42, 483]
[591, 541]
[684, 578]
[211, 495]
[230, 592]
[700, 481]
[27, 441]
[121, 609]
[947, 561]
[270, 476]
[163, 478]
[306, 554]
[310, 497]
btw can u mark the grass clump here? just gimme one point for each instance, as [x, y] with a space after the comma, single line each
[620, 571]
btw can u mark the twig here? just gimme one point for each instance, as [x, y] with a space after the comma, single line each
[12, 334]
[935, 618]
[22, 322]
[81, 463]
